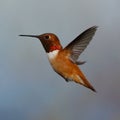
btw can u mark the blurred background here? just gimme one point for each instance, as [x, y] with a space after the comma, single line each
[29, 88]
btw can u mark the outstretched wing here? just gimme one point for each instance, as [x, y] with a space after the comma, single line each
[78, 45]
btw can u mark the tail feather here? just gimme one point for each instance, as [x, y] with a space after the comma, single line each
[81, 79]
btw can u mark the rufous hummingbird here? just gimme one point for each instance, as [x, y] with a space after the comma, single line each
[65, 60]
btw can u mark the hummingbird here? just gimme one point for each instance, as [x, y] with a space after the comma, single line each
[65, 61]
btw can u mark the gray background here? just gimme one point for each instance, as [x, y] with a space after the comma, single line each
[29, 89]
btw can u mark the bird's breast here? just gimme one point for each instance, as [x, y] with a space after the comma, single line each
[61, 63]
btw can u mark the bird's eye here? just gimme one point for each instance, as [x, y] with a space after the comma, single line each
[47, 37]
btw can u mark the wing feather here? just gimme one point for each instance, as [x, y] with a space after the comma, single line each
[78, 45]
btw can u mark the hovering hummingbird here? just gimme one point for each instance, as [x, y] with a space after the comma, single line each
[65, 60]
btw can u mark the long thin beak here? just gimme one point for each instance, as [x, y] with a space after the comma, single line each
[36, 36]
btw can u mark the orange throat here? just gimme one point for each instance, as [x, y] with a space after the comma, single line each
[53, 48]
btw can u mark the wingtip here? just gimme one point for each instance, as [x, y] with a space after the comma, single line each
[94, 27]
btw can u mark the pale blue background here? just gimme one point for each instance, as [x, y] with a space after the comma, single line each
[29, 89]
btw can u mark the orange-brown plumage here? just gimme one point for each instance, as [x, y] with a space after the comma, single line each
[69, 70]
[65, 60]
